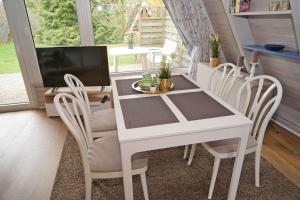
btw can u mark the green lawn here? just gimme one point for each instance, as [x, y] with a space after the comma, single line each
[9, 62]
[8, 59]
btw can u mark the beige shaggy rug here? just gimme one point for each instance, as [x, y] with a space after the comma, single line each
[169, 178]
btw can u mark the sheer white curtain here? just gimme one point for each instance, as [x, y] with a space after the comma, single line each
[191, 20]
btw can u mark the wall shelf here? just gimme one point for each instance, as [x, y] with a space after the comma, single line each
[262, 13]
[282, 53]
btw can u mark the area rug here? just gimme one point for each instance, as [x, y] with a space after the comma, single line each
[169, 178]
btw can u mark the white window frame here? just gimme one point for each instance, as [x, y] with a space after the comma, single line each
[17, 19]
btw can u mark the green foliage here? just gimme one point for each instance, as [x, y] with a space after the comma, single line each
[109, 21]
[132, 37]
[57, 22]
[214, 45]
[165, 68]
[8, 59]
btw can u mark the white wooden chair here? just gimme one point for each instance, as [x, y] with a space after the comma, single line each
[221, 82]
[103, 122]
[101, 157]
[155, 55]
[259, 107]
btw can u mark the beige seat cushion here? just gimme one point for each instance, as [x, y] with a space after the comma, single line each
[105, 156]
[103, 120]
[229, 145]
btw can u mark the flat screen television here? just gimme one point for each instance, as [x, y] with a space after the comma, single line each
[89, 64]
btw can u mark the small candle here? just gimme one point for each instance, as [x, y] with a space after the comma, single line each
[254, 57]
[240, 61]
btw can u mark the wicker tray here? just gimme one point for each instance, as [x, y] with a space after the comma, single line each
[136, 86]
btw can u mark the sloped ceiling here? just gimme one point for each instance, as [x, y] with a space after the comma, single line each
[220, 24]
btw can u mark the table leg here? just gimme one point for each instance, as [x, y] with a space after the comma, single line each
[237, 168]
[116, 63]
[144, 61]
[127, 176]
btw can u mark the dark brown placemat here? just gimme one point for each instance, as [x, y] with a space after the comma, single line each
[198, 105]
[124, 86]
[182, 83]
[147, 111]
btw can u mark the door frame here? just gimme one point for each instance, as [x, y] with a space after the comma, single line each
[24, 46]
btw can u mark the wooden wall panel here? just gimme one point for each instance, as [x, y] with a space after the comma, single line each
[274, 30]
[280, 30]
[221, 26]
[288, 73]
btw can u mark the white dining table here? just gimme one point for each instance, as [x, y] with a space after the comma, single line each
[116, 52]
[139, 135]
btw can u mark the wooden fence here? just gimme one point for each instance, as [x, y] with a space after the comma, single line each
[159, 27]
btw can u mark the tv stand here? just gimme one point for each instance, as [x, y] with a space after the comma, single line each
[96, 95]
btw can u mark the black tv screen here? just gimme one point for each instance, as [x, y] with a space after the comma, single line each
[89, 64]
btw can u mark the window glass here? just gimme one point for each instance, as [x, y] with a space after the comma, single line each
[136, 33]
[53, 22]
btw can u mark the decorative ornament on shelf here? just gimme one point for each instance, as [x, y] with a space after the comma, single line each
[274, 5]
[284, 5]
[245, 5]
[215, 50]
[131, 37]
[240, 6]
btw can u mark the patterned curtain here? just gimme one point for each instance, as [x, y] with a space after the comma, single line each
[191, 21]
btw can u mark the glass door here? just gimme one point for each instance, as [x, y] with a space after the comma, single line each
[12, 87]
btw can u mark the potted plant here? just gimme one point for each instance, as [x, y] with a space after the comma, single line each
[215, 49]
[131, 37]
[153, 86]
[165, 74]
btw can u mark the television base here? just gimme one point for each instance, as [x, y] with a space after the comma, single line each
[95, 94]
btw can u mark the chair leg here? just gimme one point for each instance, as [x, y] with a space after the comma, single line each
[214, 177]
[192, 153]
[144, 185]
[186, 148]
[88, 190]
[257, 167]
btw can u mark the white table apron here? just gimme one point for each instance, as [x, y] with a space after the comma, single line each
[124, 51]
[182, 133]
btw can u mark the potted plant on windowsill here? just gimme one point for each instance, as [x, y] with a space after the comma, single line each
[131, 37]
[215, 50]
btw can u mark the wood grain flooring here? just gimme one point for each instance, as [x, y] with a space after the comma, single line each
[30, 150]
[31, 146]
[282, 149]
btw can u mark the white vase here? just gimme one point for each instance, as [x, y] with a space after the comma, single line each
[153, 89]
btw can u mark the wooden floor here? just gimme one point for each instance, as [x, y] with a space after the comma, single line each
[282, 150]
[31, 146]
[30, 150]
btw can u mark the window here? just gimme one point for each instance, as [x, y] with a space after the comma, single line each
[12, 87]
[53, 22]
[146, 23]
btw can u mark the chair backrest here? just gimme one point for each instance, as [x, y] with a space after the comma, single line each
[222, 79]
[261, 102]
[70, 110]
[169, 47]
[78, 90]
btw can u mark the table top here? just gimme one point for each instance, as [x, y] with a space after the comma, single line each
[125, 51]
[186, 109]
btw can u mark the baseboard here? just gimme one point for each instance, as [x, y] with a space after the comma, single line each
[287, 125]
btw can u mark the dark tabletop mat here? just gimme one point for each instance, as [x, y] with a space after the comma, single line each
[198, 105]
[147, 111]
[180, 81]
[124, 86]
